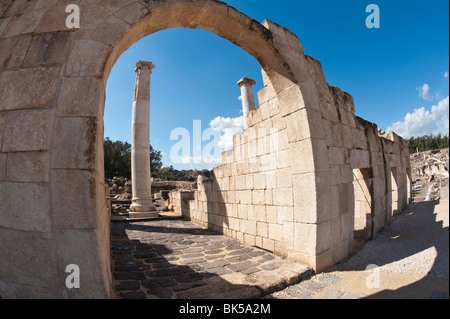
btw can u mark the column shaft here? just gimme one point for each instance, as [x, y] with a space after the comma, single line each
[140, 141]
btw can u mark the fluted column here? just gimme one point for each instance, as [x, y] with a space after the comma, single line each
[140, 141]
[248, 99]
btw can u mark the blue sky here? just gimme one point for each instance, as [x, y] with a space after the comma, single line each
[397, 74]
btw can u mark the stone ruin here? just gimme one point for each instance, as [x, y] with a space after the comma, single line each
[430, 177]
[304, 180]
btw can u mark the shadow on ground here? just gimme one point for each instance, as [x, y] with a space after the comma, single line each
[412, 232]
[161, 262]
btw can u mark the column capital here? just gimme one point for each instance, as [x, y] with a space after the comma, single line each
[144, 65]
[246, 82]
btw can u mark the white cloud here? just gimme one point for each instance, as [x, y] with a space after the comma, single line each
[446, 75]
[240, 98]
[424, 92]
[228, 127]
[424, 122]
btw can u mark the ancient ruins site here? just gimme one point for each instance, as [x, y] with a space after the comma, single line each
[305, 184]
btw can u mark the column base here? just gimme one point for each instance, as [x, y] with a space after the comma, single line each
[144, 215]
[137, 207]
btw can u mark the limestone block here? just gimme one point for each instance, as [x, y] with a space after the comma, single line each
[272, 214]
[304, 190]
[283, 159]
[87, 58]
[21, 48]
[73, 199]
[268, 244]
[335, 175]
[279, 122]
[309, 156]
[258, 197]
[276, 232]
[132, 12]
[266, 94]
[359, 159]
[27, 131]
[346, 202]
[336, 155]
[291, 100]
[23, 24]
[25, 206]
[48, 49]
[330, 112]
[71, 249]
[302, 159]
[259, 213]
[323, 237]
[249, 227]
[28, 89]
[329, 138]
[249, 239]
[282, 140]
[268, 162]
[346, 174]
[340, 250]
[28, 167]
[347, 225]
[27, 259]
[305, 238]
[71, 103]
[262, 229]
[283, 197]
[271, 179]
[74, 143]
[285, 214]
[347, 135]
[54, 19]
[298, 128]
[259, 181]
[110, 31]
[283, 178]
[359, 139]
[335, 233]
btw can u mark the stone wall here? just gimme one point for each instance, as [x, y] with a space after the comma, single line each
[268, 193]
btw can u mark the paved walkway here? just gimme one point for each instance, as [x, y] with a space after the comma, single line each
[177, 259]
[412, 255]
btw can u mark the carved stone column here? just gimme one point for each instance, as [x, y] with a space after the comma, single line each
[248, 99]
[140, 141]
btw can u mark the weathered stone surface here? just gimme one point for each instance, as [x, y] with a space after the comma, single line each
[25, 206]
[23, 24]
[28, 167]
[27, 259]
[73, 199]
[70, 151]
[28, 88]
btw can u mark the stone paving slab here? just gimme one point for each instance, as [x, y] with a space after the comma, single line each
[176, 259]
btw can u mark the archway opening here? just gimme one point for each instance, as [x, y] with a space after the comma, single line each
[362, 185]
[170, 111]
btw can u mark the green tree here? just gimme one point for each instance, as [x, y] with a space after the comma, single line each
[118, 159]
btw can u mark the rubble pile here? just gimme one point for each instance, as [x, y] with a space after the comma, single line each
[430, 175]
